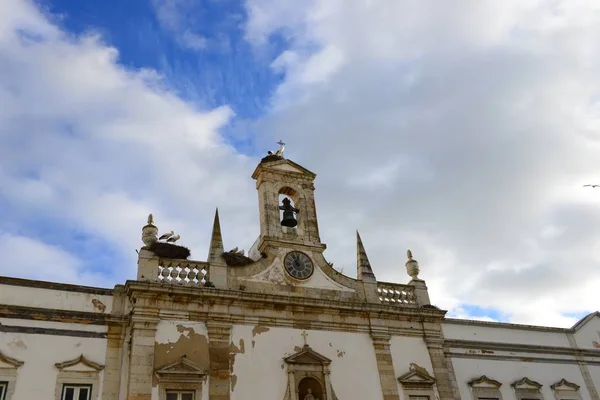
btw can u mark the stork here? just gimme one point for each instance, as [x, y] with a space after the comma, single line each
[167, 235]
[173, 239]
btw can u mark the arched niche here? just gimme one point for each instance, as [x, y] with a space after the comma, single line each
[287, 193]
[308, 370]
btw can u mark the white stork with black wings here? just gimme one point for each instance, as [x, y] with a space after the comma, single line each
[165, 236]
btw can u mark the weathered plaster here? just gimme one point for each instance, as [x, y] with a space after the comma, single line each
[177, 338]
[261, 374]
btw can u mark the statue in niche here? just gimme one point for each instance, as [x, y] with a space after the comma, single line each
[309, 395]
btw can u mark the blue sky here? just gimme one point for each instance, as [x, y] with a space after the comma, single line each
[223, 69]
[430, 128]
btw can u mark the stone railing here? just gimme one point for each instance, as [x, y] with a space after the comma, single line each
[394, 293]
[183, 272]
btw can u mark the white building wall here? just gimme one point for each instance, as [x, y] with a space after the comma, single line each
[496, 333]
[588, 335]
[508, 372]
[260, 371]
[407, 350]
[55, 299]
[36, 378]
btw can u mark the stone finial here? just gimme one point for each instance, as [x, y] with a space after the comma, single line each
[412, 266]
[216, 241]
[149, 232]
[364, 272]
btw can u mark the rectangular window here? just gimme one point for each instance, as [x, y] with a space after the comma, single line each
[3, 390]
[173, 395]
[76, 392]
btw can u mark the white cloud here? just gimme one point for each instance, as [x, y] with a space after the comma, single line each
[94, 147]
[463, 133]
[464, 130]
[24, 257]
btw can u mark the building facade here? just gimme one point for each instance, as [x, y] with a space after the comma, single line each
[277, 323]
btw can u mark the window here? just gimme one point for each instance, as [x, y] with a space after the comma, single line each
[418, 397]
[76, 392]
[173, 395]
[3, 390]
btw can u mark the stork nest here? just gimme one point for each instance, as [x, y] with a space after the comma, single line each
[169, 250]
[271, 157]
[236, 260]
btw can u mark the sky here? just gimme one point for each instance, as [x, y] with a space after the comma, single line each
[463, 132]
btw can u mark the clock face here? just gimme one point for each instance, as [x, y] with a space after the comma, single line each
[298, 265]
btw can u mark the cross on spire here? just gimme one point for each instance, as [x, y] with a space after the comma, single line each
[304, 335]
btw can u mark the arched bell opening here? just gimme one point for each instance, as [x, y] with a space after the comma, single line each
[288, 207]
[310, 389]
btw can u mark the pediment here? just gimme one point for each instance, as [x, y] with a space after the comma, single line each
[7, 362]
[183, 366]
[283, 165]
[416, 376]
[526, 383]
[564, 384]
[307, 356]
[79, 364]
[484, 382]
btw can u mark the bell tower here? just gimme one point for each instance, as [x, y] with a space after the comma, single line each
[288, 216]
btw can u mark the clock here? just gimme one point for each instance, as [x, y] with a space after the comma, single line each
[298, 265]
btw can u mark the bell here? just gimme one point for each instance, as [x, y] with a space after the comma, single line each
[288, 219]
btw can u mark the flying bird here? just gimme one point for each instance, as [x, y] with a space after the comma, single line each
[166, 235]
[594, 186]
[173, 239]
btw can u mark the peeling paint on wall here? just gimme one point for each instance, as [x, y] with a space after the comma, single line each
[180, 339]
[233, 351]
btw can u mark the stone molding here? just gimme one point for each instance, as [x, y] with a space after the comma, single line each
[9, 373]
[563, 383]
[417, 377]
[12, 362]
[526, 383]
[79, 360]
[485, 387]
[484, 381]
[307, 363]
[65, 376]
[517, 347]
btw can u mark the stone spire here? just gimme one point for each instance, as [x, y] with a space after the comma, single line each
[363, 266]
[216, 241]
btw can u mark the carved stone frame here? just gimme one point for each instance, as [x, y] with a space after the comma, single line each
[526, 388]
[182, 375]
[308, 363]
[67, 377]
[417, 382]
[485, 387]
[8, 373]
[564, 389]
